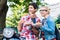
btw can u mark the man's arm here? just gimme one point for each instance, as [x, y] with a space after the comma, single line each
[19, 27]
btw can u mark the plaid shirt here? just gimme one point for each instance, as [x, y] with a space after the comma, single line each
[25, 30]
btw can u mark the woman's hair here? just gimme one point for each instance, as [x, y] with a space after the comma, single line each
[34, 5]
[46, 8]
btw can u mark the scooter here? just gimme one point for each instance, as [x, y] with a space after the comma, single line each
[9, 34]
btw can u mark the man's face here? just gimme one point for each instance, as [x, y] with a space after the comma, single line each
[43, 11]
[31, 9]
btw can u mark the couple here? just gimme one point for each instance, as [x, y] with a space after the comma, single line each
[30, 21]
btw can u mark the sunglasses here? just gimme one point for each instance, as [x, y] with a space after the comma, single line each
[44, 10]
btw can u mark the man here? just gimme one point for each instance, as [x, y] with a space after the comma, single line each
[26, 23]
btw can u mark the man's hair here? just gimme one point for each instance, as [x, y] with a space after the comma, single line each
[34, 5]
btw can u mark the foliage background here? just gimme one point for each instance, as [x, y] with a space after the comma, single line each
[18, 8]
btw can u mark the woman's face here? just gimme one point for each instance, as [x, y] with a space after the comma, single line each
[31, 9]
[44, 11]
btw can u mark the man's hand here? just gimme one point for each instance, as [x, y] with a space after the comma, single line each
[37, 24]
[27, 23]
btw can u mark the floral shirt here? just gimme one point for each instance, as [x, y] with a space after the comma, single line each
[26, 31]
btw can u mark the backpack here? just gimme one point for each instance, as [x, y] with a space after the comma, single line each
[57, 33]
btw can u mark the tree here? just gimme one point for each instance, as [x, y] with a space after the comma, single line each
[3, 11]
[19, 8]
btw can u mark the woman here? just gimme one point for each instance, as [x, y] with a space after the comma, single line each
[26, 23]
[48, 25]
